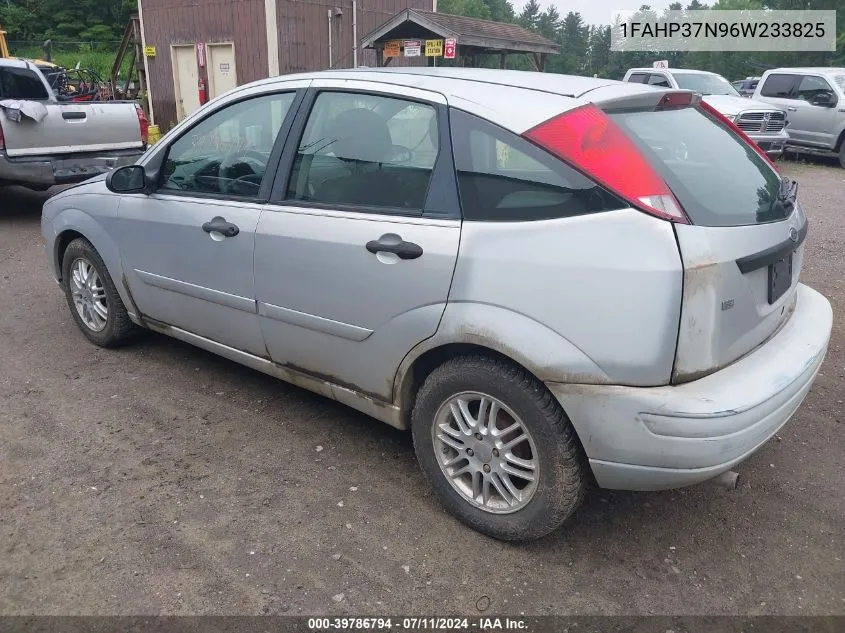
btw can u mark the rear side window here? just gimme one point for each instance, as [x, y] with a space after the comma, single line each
[779, 86]
[21, 83]
[502, 177]
[717, 177]
[638, 78]
[658, 80]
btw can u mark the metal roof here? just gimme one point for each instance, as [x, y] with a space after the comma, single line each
[467, 31]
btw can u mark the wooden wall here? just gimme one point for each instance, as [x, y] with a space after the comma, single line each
[169, 22]
[303, 37]
[303, 31]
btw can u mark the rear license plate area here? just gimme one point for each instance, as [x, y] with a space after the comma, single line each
[780, 278]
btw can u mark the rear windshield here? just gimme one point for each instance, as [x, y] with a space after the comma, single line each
[717, 177]
[21, 83]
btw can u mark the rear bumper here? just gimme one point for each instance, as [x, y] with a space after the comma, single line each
[666, 437]
[49, 171]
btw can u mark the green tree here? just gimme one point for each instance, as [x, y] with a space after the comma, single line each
[21, 19]
[530, 16]
[501, 10]
[548, 24]
[468, 8]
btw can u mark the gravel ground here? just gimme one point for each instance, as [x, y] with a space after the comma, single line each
[162, 479]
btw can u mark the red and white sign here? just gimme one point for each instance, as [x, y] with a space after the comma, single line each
[661, 63]
[449, 48]
[413, 48]
[201, 54]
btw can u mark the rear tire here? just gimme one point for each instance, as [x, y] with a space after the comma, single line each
[842, 155]
[92, 297]
[478, 459]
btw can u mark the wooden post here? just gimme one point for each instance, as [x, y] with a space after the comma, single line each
[502, 57]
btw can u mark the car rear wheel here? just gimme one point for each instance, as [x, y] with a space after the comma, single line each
[497, 448]
[842, 154]
[93, 300]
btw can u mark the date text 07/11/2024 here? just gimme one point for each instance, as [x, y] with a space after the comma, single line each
[416, 624]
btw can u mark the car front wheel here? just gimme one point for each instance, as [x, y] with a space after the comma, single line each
[497, 448]
[93, 300]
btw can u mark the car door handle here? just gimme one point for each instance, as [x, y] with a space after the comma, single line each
[392, 243]
[792, 109]
[219, 225]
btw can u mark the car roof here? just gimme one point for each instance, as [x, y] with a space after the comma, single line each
[819, 70]
[14, 63]
[672, 70]
[458, 81]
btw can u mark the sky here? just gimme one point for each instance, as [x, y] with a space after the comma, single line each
[596, 11]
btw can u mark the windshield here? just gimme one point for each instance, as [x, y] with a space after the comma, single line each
[705, 84]
[840, 81]
[718, 178]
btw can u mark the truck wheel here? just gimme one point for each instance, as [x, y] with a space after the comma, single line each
[93, 300]
[842, 154]
[498, 449]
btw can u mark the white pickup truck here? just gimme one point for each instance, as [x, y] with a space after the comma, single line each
[44, 142]
[762, 123]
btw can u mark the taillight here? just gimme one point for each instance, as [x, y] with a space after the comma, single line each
[721, 118]
[587, 139]
[2, 138]
[144, 123]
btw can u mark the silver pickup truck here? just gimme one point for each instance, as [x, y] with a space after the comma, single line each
[814, 99]
[44, 142]
[764, 123]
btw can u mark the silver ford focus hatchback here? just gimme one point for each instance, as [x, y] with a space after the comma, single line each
[548, 279]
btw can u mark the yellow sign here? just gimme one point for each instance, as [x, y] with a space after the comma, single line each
[434, 48]
[150, 51]
[393, 48]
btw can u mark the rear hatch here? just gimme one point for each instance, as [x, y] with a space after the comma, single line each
[75, 128]
[68, 128]
[742, 250]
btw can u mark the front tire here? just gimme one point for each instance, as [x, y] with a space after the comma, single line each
[497, 448]
[92, 297]
[842, 155]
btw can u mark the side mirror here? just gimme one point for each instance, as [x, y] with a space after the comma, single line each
[823, 99]
[128, 179]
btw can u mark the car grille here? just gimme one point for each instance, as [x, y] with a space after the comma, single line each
[762, 122]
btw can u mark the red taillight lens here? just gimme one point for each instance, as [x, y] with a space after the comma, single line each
[144, 123]
[588, 140]
[2, 139]
[721, 118]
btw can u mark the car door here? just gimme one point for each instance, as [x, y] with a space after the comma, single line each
[779, 90]
[355, 254]
[816, 122]
[188, 247]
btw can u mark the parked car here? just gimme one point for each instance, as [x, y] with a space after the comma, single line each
[763, 123]
[745, 87]
[58, 143]
[604, 283]
[814, 99]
